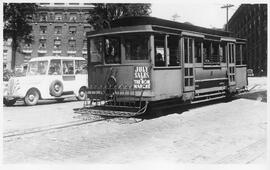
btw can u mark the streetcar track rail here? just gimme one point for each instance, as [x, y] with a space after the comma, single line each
[49, 128]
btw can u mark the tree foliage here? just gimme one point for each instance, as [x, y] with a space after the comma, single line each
[17, 18]
[102, 14]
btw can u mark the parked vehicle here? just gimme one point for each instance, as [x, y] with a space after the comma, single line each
[145, 60]
[48, 77]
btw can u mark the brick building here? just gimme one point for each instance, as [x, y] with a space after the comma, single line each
[7, 50]
[59, 30]
[250, 22]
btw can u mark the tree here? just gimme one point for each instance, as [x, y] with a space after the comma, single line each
[17, 17]
[102, 14]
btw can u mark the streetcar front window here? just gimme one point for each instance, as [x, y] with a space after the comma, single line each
[112, 51]
[136, 47]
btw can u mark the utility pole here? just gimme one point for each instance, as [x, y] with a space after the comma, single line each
[175, 16]
[227, 6]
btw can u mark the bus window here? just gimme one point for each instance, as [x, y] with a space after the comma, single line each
[160, 51]
[136, 47]
[68, 67]
[174, 57]
[55, 66]
[80, 67]
[112, 51]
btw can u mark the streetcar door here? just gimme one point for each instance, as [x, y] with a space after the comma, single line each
[231, 64]
[188, 66]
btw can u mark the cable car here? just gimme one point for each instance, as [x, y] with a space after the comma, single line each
[143, 60]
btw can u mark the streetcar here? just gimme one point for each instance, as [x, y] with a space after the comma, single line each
[142, 60]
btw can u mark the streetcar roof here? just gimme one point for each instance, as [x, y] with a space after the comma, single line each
[152, 24]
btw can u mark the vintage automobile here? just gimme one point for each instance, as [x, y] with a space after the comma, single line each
[50, 77]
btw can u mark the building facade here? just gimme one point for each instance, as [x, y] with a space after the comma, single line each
[59, 29]
[250, 22]
[7, 52]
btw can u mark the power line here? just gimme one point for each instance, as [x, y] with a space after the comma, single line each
[227, 6]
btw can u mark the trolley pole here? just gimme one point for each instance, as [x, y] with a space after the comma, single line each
[227, 6]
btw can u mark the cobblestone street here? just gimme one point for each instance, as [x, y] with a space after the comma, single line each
[217, 133]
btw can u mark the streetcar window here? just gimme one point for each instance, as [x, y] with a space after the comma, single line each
[174, 57]
[136, 47]
[188, 50]
[215, 53]
[211, 53]
[160, 59]
[112, 51]
[244, 54]
[96, 49]
[239, 54]
[222, 52]
[198, 51]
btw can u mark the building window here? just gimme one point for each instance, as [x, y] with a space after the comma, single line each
[56, 54]
[73, 17]
[27, 57]
[84, 44]
[28, 45]
[72, 30]
[58, 29]
[71, 55]
[86, 16]
[43, 17]
[85, 56]
[86, 29]
[59, 3]
[58, 17]
[74, 3]
[57, 44]
[43, 29]
[42, 43]
[72, 45]
[44, 3]
[41, 54]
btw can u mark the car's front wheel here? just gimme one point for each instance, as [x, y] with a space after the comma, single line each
[9, 102]
[31, 97]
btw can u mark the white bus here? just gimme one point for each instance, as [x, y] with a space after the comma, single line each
[50, 77]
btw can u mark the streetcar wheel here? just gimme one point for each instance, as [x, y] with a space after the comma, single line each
[82, 94]
[31, 97]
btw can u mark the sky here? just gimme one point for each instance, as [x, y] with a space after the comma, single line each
[205, 13]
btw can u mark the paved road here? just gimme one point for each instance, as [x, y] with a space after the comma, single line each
[222, 132]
